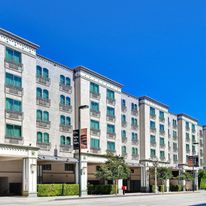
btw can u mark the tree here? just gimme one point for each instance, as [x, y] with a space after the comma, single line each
[114, 169]
[202, 179]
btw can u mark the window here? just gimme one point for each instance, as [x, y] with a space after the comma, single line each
[187, 136]
[65, 81]
[38, 71]
[46, 167]
[174, 157]
[45, 116]
[193, 127]
[42, 116]
[123, 118]
[152, 152]
[13, 105]
[134, 107]
[162, 128]
[110, 94]
[39, 137]
[62, 99]
[123, 134]
[111, 146]
[187, 125]
[95, 143]
[174, 146]
[94, 88]
[152, 111]
[62, 80]
[110, 111]
[42, 94]
[134, 121]
[123, 103]
[134, 136]
[152, 138]
[161, 115]
[45, 94]
[68, 101]
[162, 154]
[134, 151]
[187, 147]
[193, 149]
[94, 124]
[13, 131]
[152, 125]
[68, 81]
[13, 56]
[110, 128]
[174, 133]
[38, 93]
[42, 137]
[193, 139]
[46, 138]
[94, 106]
[13, 80]
[65, 140]
[174, 123]
[162, 141]
[124, 150]
[69, 167]
[45, 73]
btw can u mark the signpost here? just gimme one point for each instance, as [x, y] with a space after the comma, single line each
[76, 139]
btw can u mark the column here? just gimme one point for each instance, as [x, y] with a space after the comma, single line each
[183, 182]
[84, 178]
[76, 173]
[29, 187]
[196, 180]
[119, 186]
[167, 185]
[144, 179]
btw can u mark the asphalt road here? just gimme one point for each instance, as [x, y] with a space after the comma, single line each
[193, 199]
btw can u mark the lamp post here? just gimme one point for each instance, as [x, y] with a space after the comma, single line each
[79, 125]
[155, 164]
[193, 168]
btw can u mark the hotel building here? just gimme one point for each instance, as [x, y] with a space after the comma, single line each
[39, 111]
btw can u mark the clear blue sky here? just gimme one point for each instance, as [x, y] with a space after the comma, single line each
[154, 48]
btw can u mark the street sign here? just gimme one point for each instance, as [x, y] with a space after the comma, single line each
[84, 138]
[193, 161]
[76, 139]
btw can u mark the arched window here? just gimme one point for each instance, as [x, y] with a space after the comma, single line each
[38, 71]
[39, 115]
[68, 101]
[68, 121]
[62, 99]
[62, 120]
[68, 81]
[39, 137]
[62, 80]
[45, 73]
[62, 140]
[46, 138]
[38, 93]
[45, 94]
[68, 141]
[46, 116]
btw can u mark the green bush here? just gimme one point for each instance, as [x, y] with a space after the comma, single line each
[101, 189]
[162, 188]
[49, 190]
[203, 183]
[153, 188]
[176, 188]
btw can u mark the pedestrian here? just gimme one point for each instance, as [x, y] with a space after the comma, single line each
[124, 188]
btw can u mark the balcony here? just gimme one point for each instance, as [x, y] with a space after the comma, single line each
[9, 114]
[124, 108]
[111, 101]
[17, 91]
[135, 141]
[95, 113]
[14, 140]
[111, 118]
[43, 102]
[110, 151]
[153, 130]
[95, 150]
[153, 143]
[134, 126]
[66, 148]
[175, 149]
[134, 112]
[174, 137]
[124, 124]
[124, 154]
[43, 124]
[193, 130]
[65, 88]
[13, 66]
[187, 139]
[174, 126]
[111, 135]
[162, 158]
[124, 139]
[95, 132]
[65, 128]
[187, 150]
[42, 80]
[162, 132]
[65, 108]
[152, 116]
[44, 146]
[194, 152]
[135, 156]
[162, 119]
[95, 95]
[162, 146]
[175, 161]
[187, 128]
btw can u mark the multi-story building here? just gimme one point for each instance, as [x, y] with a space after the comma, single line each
[40, 102]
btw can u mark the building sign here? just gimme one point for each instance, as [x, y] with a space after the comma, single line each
[193, 161]
[190, 161]
[76, 139]
[84, 138]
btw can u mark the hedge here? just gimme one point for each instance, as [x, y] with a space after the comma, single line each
[203, 183]
[48, 190]
[176, 188]
[101, 189]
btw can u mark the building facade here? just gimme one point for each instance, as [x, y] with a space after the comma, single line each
[40, 99]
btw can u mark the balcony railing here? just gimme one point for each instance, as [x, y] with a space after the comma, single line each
[10, 89]
[134, 126]
[43, 124]
[43, 80]
[65, 88]
[65, 128]
[188, 150]
[95, 150]
[187, 139]
[153, 130]
[44, 146]
[152, 116]
[111, 135]
[135, 156]
[174, 137]
[161, 119]
[124, 154]
[162, 146]
[193, 130]
[111, 101]
[95, 132]
[153, 143]
[135, 141]
[124, 123]
[14, 140]
[111, 151]
[111, 118]
[124, 108]
[95, 95]
[175, 149]
[187, 128]
[95, 113]
[10, 114]
[65, 148]
[13, 66]
[162, 132]
[162, 158]
[65, 108]
[43, 102]
[124, 139]
[134, 112]
[174, 126]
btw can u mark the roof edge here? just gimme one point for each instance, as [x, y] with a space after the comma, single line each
[154, 101]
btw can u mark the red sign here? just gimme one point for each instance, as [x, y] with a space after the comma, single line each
[84, 138]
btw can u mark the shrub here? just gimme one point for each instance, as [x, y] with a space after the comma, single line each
[101, 189]
[70, 189]
[162, 188]
[176, 188]
[153, 188]
[203, 183]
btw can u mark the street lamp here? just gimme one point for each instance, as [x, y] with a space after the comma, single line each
[193, 168]
[79, 125]
[155, 164]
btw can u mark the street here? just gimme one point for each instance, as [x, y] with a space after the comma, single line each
[197, 198]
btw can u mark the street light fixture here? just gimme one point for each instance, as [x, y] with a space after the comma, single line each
[155, 163]
[79, 125]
